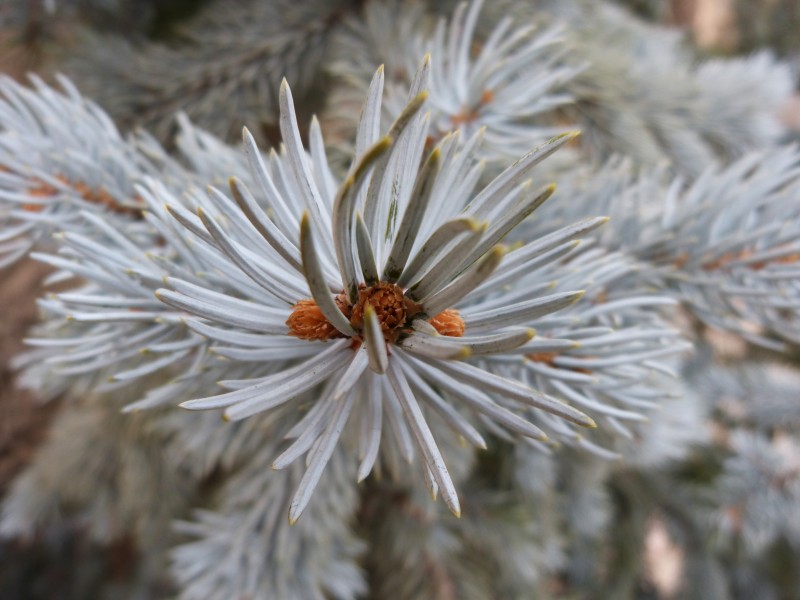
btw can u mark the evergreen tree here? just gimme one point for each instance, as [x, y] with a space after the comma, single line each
[274, 340]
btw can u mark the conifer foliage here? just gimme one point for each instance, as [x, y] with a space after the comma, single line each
[402, 300]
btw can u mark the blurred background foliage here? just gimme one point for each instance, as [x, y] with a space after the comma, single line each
[679, 531]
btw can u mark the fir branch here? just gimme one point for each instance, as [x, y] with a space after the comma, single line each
[104, 470]
[504, 84]
[246, 547]
[724, 244]
[223, 72]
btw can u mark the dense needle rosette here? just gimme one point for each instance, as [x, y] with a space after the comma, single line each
[509, 82]
[357, 291]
